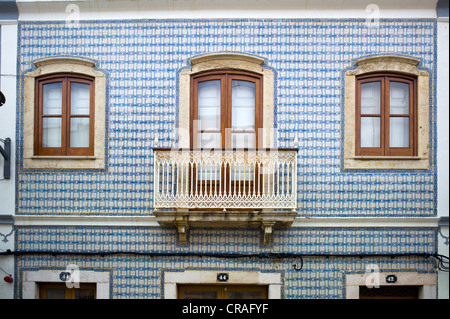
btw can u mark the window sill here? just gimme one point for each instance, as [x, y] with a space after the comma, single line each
[38, 157]
[387, 158]
[63, 162]
[386, 162]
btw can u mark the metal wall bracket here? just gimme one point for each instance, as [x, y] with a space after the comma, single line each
[6, 153]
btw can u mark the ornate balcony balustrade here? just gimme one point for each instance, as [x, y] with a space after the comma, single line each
[226, 187]
[225, 179]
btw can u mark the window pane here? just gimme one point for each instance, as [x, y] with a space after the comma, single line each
[209, 172]
[399, 132]
[370, 98]
[243, 140]
[209, 105]
[85, 294]
[370, 132]
[79, 98]
[51, 132]
[245, 295]
[79, 132]
[209, 140]
[243, 105]
[54, 293]
[399, 98]
[52, 99]
[200, 294]
[242, 172]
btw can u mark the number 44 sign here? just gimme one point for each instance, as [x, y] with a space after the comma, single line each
[222, 277]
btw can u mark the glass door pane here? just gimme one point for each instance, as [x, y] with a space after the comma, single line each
[243, 105]
[209, 126]
[52, 293]
[245, 295]
[85, 294]
[200, 294]
[243, 125]
[209, 105]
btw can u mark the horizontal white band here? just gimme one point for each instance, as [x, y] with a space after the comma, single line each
[299, 222]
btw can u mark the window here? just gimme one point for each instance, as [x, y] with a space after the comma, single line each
[386, 115]
[222, 63]
[60, 291]
[64, 115]
[226, 110]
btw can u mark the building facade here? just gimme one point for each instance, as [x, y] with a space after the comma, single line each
[169, 149]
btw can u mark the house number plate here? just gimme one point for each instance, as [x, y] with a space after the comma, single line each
[222, 277]
[391, 279]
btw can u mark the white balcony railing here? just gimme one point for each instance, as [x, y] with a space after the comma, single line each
[225, 179]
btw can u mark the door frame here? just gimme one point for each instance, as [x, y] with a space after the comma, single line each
[172, 279]
[32, 279]
[427, 282]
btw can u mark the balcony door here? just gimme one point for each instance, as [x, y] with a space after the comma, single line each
[226, 113]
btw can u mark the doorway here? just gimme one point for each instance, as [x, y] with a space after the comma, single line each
[222, 292]
[60, 291]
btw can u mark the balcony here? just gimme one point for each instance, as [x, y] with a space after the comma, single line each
[224, 187]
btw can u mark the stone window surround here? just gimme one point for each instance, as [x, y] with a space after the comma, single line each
[393, 64]
[53, 65]
[217, 61]
[208, 277]
[31, 280]
[426, 282]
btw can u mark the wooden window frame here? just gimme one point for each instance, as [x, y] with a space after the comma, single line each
[385, 149]
[226, 77]
[65, 149]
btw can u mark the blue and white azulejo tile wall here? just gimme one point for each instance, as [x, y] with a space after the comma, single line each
[142, 60]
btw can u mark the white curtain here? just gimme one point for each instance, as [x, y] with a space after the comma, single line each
[370, 104]
[79, 105]
[399, 105]
[52, 105]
